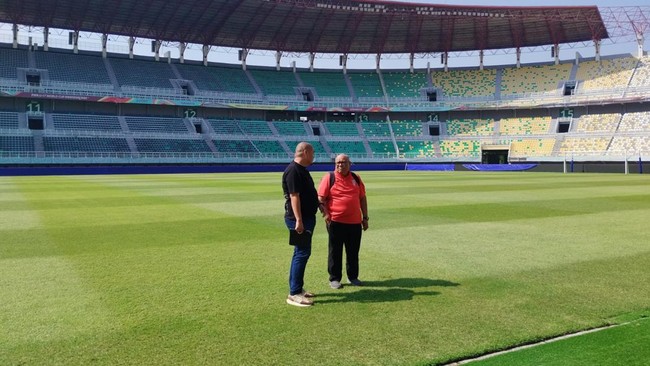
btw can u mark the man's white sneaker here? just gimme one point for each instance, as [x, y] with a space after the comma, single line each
[336, 285]
[299, 300]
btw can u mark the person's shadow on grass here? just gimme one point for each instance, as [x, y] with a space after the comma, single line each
[398, 289]
[410, 283]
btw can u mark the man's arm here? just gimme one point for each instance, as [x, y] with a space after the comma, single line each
[322, 206]
[297, 211]
[364, 212]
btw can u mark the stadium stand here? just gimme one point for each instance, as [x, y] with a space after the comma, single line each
[465, 83]
[142, 73]
[9, 120]
[225, 127]
[273, 82]
[376, 129]
[85, 144]
[366, 84]
[525, 126]
[235, 146]
[532, 147]
[342, 128]
[16, 143]
[641, 75]
[382, 148]
[416, 149]
[260, 128]
[405, 84]
[326, 84]
[407, 128]
[598, 123]
[222, 79]
[85, 122]
[289, 128]
[171, 145]
[156, 124]
[458, 137]
[534, 79]
[470, 127]
[271, 147]
[72, 68]
[460, 148]
[606, 74]
[629, 145]
[635, 122]
[347, 147]
[591, 145]
[10, 60]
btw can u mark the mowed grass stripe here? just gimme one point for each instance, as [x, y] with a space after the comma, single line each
[210, 288]
[44, 299]
[49, 302]
[496, 247]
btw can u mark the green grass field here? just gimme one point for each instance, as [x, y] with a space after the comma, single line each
[192, 270]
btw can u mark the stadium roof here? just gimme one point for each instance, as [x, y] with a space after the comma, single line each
[319, 26]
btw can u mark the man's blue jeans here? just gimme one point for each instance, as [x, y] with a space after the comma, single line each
[300, 257]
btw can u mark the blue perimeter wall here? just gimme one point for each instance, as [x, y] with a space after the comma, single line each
[234, 168]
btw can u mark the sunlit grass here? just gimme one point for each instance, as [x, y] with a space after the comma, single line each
[192, 269]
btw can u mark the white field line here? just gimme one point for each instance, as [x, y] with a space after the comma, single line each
[550, 340]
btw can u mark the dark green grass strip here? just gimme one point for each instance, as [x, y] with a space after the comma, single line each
[625, 345]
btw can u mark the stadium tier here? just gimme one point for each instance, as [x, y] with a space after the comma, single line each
[16, 143]
[141, 73]
[405, 84]
[260, 114]
[525, 126]
[326, 84]
[534, 79]
[10, 61]
[217, 79]
[465, 83]
[606, 74]
[366, 84]
[72, 68]
[272, 82]
[9, 120]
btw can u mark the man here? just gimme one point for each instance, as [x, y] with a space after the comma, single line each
[344, 196]
[301, 204]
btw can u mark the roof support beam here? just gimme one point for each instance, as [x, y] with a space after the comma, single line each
[104, 41]
[182, 46]
[205, 49]
[131, 44]
[14, 30]
[46, 37]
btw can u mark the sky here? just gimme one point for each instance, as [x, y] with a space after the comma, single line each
[59, 38]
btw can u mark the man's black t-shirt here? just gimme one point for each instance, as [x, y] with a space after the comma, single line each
[297, 179]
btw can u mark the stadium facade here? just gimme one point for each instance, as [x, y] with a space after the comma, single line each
[69, 107]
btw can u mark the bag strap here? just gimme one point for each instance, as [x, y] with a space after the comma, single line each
[333, 179]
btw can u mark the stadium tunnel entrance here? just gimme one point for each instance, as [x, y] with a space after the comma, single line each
[495, 154]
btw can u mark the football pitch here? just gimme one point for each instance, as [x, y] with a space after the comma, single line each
[192, 269]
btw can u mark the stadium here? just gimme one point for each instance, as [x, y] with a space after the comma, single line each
[65, 107]
[479, 242]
